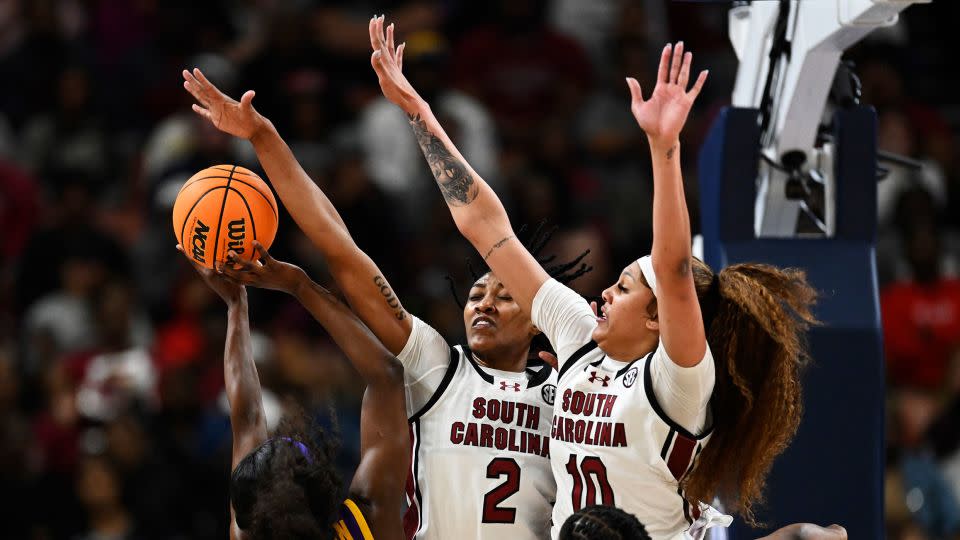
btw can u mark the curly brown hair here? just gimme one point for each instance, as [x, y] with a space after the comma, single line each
[758, 339]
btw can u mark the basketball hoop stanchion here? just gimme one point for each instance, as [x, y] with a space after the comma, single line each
[788, 176]
[833, 470]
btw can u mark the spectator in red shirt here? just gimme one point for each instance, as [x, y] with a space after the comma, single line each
[921, 317]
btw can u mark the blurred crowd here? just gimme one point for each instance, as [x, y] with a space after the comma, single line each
[113, 420]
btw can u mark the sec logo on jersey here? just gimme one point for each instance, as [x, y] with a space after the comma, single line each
[548, 393]
[630, 377]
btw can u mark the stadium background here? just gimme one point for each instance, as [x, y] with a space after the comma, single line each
[96, 136]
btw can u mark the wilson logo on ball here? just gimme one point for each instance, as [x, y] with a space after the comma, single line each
[200, 241]
[236, 231]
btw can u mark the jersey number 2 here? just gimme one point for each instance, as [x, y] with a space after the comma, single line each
[589, 466]
[492, 513]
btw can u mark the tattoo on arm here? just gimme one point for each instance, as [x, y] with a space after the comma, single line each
[391, 298]
[497, 245]
[671, 151]
[455, 181]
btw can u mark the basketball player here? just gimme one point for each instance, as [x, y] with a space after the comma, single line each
[639, 396]
[480, 418]
[286, 486]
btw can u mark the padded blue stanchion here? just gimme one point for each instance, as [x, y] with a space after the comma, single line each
[833, 471]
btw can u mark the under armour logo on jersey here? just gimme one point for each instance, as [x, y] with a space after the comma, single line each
[593, 377]
[504, 385]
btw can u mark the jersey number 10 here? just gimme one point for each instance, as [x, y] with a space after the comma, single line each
[590, 466]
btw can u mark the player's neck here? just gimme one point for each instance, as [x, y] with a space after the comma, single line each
[628, 351]
[502, 361]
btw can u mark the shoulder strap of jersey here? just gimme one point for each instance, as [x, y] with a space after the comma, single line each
[352, 525]
[444, 383]
[468, 354]
[576, 356]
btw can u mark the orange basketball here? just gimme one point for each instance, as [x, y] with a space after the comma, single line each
[223, 208]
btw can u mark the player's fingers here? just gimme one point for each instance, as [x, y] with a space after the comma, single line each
[238, 272]
[210, 90]
[246, 100]
[382, 32]
[390, 47]
[593, 308]
[201, 78]
[549, 359]
[839, 532]
[237, 277]
[636, 94]
[664, 69]
[372, 27]
[676, 61]
[685, 70]
[400, 55]
[193, 87]
[201, 111]
[376, 60]
[235, 262]
[697, 86]
[229, 271]
[189, 77]
[262, 251]
[228, 265]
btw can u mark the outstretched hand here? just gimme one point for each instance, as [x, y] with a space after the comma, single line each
[663, 115]
[238, 118]
[230, 291]
[266, 273]
[387, 62]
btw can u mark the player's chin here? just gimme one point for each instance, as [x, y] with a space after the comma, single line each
[481, 342]
[600, 334]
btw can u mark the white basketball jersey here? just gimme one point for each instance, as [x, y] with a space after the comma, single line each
[612, 444]
[481, 455]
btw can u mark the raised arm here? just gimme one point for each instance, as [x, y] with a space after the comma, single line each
[384, 439]
[662, 117]
[477, 211]
[247, 422]
[363, 283]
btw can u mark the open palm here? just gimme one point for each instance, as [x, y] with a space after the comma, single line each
[238, 118]
[663, 115]
[387, 62]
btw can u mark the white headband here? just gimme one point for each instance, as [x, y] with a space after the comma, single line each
[646, 267]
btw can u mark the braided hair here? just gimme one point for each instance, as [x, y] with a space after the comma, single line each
[564, 272]
[603, 523]
[289, 487]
